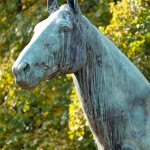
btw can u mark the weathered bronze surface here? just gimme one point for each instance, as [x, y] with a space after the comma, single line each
[114, 95]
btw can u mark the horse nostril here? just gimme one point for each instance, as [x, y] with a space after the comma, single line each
[23, 66]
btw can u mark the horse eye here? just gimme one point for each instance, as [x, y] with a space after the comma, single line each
[65, 29]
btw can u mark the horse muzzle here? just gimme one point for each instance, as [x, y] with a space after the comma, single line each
[21, 72]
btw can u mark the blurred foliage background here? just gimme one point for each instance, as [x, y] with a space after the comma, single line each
[50, 117]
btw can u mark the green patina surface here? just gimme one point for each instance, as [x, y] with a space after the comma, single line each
[114, 95]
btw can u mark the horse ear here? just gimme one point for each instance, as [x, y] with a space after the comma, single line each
[74, 6]
[52, 6]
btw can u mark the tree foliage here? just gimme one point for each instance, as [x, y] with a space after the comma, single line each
[50, 117]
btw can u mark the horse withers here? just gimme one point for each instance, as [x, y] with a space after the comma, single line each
[114, 95]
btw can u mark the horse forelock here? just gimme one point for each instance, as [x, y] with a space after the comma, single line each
[67, 13]
[65, 6]
[65, 10]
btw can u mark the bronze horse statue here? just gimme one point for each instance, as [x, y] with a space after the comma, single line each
[114, 95]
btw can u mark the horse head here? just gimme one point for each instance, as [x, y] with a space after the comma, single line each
[56, 48]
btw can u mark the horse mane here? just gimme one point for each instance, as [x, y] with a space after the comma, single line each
[109, 77]
[109, 86]
[112, 68]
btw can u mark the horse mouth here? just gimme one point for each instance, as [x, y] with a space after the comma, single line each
[30, 81]
[26, 85]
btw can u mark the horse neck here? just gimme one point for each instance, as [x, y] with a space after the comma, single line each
[107, 71]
